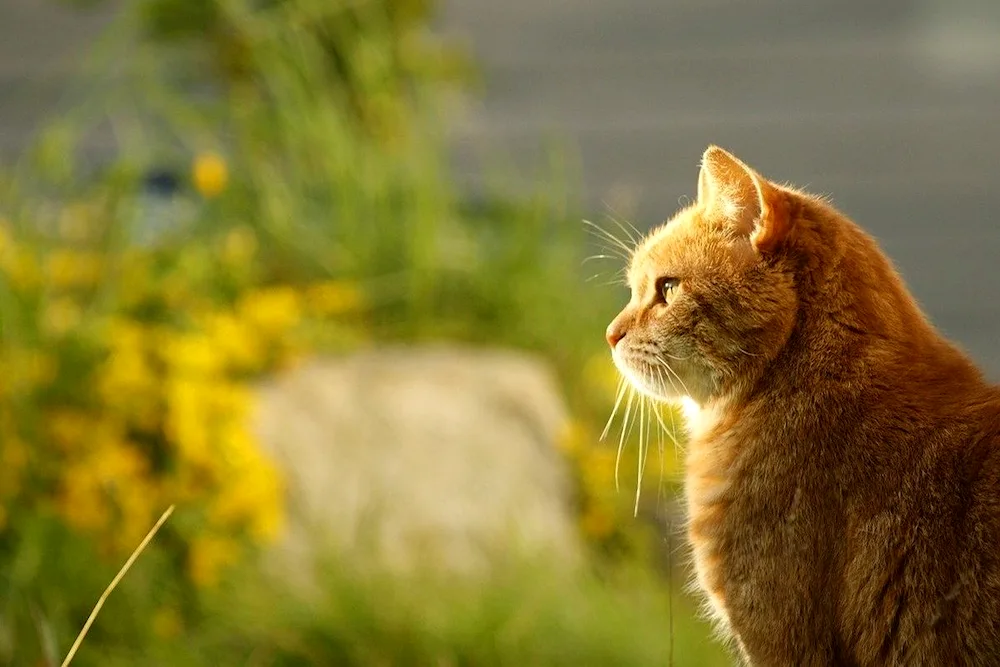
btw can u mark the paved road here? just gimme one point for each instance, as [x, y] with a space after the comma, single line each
[891, 107]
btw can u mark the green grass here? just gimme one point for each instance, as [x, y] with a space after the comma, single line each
[524, 616]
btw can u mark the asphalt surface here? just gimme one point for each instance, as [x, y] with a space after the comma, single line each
[892, 108]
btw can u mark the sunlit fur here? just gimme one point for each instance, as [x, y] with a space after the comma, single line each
[843, 467]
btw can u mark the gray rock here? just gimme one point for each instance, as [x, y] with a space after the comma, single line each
[417, 459]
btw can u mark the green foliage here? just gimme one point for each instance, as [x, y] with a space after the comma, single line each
[318, 215]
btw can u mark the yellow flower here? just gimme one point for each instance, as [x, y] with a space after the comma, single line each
[232, 400]
[235, 340]
[208, 556]
[127, 380]
[187, 426]
[100, 489]
[253, 496]
[334, 297]
[210, 174]
[192, 353]
[127, 334]
[126, 374]
[273, 310]
[269, 519]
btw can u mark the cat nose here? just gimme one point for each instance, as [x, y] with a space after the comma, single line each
[614, 333]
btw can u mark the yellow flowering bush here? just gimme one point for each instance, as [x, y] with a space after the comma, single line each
[127, 387]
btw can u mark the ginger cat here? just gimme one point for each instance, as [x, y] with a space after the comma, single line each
[843, 468]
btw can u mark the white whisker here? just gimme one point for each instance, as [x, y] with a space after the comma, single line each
[672, 357]
[668, 431]
[612, 238]
[633, 237]
[659, 417]
[626, 431]
[669, 378]
[593, 277]
[650, 407]
[660, 488]
[633, 234]
[614, 250]
[673, 432]
[674, 373]
[619, 394]
[619, 281]
[591, 258]
[618, 278]
[643, 429]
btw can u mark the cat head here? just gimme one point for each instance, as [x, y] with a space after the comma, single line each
[713, 297]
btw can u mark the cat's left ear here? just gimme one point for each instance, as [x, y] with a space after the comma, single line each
[729, 189]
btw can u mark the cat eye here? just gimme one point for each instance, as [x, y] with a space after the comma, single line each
[666, 287]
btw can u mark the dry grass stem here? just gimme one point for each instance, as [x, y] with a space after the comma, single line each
[114, 582]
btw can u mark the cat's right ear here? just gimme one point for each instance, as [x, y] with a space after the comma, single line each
[729, 189]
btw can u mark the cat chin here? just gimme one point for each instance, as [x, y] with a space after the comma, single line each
[644, 386]
[655, 394]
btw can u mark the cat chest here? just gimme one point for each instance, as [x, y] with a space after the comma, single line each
[707, 491]
[745, 545]
[706, 528]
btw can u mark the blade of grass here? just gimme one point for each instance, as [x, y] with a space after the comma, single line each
[114, 582]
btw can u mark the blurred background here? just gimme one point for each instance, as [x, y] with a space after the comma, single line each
[316, 272]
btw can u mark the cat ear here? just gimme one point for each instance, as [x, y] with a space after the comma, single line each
[729, 189]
